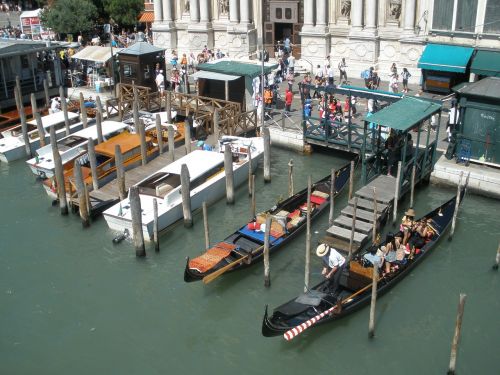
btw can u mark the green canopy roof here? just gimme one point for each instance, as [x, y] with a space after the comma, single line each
[237, 68]
[445, 58]
[486, 63]
[405, 113]
[488, 87]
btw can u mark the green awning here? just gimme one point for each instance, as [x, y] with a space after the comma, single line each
[445, 58]
[486, 63]
[237, 68]
[405, 113]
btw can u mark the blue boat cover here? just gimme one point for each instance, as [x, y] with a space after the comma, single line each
[445, 58]
[259, 236]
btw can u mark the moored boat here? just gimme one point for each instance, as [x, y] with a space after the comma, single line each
[245, 246]
[130, 146]
[321, 304]
[207, 178]
[71, 147]
[12, 144]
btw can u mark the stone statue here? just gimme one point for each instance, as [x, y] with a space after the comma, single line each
[186, 6]
[395, 9]
[345, 8]
[223, 6]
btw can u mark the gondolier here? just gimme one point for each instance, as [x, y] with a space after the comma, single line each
[333, 264]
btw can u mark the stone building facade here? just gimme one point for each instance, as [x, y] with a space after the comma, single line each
[365, 32]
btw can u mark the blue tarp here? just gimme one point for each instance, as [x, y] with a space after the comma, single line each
[445, 58]
[259, 236]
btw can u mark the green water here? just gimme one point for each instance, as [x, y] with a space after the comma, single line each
[71, 302]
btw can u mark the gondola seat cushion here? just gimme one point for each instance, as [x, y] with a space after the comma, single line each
[317, 200]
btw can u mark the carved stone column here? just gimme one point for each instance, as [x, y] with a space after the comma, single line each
[246, 11]
[321, 13]
[167, 11]
[371, 16]
[409, 17]
[158, 10]
[234, 12]
[357, 15]
[204, 11]
[194, 10]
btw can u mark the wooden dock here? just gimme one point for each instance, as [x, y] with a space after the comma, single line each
[107, 195]
[339, 234]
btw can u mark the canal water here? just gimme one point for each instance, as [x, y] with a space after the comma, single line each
[72, 302]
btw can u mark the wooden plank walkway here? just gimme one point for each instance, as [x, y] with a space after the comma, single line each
[339, 234]
[108, 194]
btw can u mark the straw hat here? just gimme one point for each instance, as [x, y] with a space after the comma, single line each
[410, 212]
[322, 250]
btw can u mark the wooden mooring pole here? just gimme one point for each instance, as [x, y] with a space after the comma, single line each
[253, 203]
[59, 173]
[290, 178]
[456, 336]
[120, 173]
[83, 112]
[216, 125]
[332, 198]
[38, 119]
[144, 148]
[250, 171]
[412, 186]
[80, 190]
[267, 154]
[46, 92]
[22, 116]
[156, 238]
[307, 271]
[351, 180]
[371, 324]
[136, 211]
[168, 105]
[64, 107]
[171, 142]
[396, 195]
[187, 137]
[228, 170]
[375, 220]
[98, 124]
[497, 258]
[186, 196]
[353, 229]
[159, 138]
[93, 163]
[205, 226]
[457, 205]
[267, 278]
[98, 106]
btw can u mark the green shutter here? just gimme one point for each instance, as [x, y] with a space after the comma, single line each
[466, 15]
[492, 17]
[443, 14]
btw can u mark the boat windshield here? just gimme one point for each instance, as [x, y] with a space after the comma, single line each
[69, 142]
[160, 184]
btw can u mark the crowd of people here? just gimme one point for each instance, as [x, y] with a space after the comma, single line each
[10, 6]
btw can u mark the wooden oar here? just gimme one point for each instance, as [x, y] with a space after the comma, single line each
[297, 330]
[211, 277]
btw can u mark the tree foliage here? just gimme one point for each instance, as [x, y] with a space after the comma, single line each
[124, 12]
[70, 16]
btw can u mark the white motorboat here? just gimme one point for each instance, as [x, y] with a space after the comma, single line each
[71, 147]
[12, 144]
[208, 184]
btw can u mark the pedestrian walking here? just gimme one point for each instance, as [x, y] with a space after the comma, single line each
[330, 75]
[288, 101]
[290, 80]
[405, 75]
[393, 83]
[291, 64]
[343, 71]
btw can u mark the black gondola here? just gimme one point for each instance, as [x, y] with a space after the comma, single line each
[246, 245]
[321, 305]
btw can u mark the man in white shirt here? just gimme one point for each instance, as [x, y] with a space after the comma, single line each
[333, 264]
[160, 82]
[291, 64]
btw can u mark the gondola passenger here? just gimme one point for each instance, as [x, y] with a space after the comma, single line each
[407, 223]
